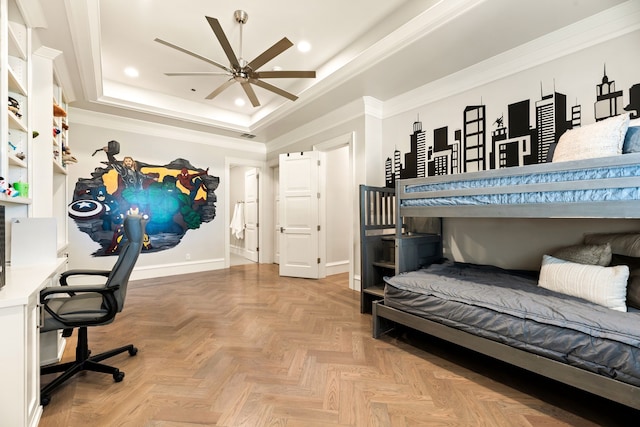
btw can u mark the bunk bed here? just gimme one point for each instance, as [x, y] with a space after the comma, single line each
[514, 316]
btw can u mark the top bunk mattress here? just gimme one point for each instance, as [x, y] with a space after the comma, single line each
[510, 308]
[601, 187]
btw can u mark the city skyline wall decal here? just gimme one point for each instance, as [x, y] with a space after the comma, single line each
[517, 142]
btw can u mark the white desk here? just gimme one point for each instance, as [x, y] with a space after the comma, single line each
[20, 342]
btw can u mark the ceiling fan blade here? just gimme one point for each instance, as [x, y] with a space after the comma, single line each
[273, 89]
[220, 88]
[195, 55]
[198, 73]
[285, 74]
[224, 42]
[270, 53]
[250, 93]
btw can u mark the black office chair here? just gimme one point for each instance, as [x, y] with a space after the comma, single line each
[90, 305]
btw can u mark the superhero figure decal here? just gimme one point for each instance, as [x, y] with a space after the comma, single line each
[174, 198]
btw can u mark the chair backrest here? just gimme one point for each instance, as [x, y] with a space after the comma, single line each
[129, 251]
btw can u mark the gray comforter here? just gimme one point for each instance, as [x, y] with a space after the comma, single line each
[510, 308]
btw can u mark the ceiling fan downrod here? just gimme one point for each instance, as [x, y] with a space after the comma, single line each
[241, 18]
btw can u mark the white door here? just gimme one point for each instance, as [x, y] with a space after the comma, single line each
[299, 219]
[276, 215]
[251, 214]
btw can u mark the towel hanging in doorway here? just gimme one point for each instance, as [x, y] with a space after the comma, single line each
[237, 221]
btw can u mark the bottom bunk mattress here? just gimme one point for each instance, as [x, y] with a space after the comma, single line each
[509, 307]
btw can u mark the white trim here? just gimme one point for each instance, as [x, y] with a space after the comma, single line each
[604, 26]
[357, 283]
[373, 107]
[322, 212]
[84, 25]
[163, 270]
[335, 118]
[108, 121]
[32, 13]
[329, 145]
[337, 267]
[47, 52]
[61, 73]
[142, 100]
[271, 225]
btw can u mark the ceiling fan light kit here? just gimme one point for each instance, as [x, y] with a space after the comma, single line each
[240, 70]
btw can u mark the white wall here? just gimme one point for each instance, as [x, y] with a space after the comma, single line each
[339, 212]
[155, 144]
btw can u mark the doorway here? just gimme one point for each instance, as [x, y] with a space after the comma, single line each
[243, 187]
[336, 183]
[243, 214]
[337, 211]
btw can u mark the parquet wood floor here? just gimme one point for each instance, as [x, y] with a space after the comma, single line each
[244, 347]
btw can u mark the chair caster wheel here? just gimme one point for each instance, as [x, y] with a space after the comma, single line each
[44, 400]
[118, 376]
[133, 351]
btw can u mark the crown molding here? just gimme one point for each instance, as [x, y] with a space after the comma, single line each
[108, 121]
[373, 107]
[354, 110]
[47, 52]
[133, 98]
[32, 12]
[84, 25]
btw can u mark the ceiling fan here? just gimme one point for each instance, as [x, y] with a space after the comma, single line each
[240, 70]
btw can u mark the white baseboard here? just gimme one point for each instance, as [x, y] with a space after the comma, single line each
[337, 267]
[152, 271]
[357, 283]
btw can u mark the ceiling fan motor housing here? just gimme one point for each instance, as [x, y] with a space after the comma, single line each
[241, 16]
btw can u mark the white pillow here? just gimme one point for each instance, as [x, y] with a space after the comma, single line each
[599, 139]
[606, 286]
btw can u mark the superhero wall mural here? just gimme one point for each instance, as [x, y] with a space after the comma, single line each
[514, 139]
[174, 198]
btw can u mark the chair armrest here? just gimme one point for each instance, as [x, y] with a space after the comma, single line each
[108, 300]
[96, 289]
[69, 273]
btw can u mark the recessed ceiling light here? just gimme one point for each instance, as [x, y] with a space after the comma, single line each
[276, 68]
[131, 72]
[239, 102]
[304, 46]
